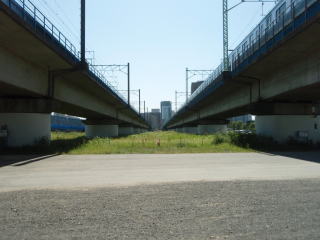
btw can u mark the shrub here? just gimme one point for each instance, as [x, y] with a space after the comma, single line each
[220, 139]
[252, 140]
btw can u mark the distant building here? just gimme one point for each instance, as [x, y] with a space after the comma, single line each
[155, 119]
[243, 118]
[195, 85]
[166, 110]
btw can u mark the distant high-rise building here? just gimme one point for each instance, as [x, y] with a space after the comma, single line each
[166, 110]
[155, 119]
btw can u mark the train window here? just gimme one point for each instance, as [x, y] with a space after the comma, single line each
[262, 29]
[268, 21]
[233, 60]
[257, 35]
[280, 12]
[250, 40]
[239, 55]
[244, 47]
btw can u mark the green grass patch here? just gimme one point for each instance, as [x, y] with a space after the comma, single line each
[154, 142]
[148, 143]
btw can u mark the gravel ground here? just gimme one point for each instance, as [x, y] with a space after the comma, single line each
[192, 210]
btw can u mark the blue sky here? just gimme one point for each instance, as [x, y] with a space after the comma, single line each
[159, 38]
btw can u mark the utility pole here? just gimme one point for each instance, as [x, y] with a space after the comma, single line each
[144, 109]
[226, 10]
[225, 36]
[176, 100]
[196, 73]
[83, 32]
[187, 84]
[139, 101]
[148, 114]
[128, 83]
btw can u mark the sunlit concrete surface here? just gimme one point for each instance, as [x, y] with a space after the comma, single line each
[211, 128]
[26, 128]
[298, 127]
[83, 171]
[103, 131]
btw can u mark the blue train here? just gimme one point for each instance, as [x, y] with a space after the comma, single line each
[60, 122]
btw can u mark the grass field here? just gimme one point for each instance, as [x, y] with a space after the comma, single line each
[155, 142]
[151, 142]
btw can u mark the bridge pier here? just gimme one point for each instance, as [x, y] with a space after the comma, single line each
[190, 130]
[211, 128]
[102, 131]
[101, 128]
[25, 129]
[126, 130]
[137, 130]
[179, 130]
[282, 127]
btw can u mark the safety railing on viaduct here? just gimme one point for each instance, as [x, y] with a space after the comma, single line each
[32, 16]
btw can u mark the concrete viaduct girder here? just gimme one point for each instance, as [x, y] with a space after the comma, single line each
[40, 76]
[284, 81]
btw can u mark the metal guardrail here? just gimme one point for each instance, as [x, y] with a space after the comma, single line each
[256, 39]
[36, 19]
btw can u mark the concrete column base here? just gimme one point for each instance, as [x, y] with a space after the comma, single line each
[126, 131]
[26, 129]
[179, 130]
[282, 127]
[211, 128]
[137, 130]
[190, 130]
[102, 131]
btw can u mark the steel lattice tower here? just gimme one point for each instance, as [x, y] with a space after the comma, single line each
[225, 36]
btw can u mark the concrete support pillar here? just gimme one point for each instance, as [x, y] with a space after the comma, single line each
[137, 130]
[179, 130]
[282, 127]
[27, 128]
[126, 131]
[190, 130]
[103, 131]
[211, 128]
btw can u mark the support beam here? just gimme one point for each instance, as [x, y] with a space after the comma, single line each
[28, 105]
[279, 108]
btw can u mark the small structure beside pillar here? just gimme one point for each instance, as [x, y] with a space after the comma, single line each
[212, 126]
[101, 128]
